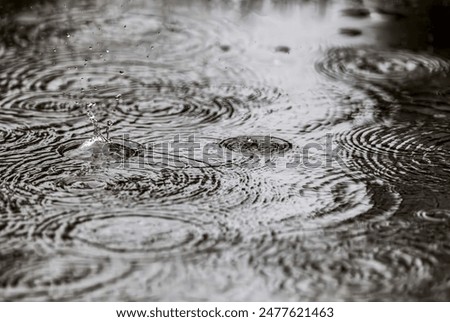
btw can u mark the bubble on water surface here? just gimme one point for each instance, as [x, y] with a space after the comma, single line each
[257, 144]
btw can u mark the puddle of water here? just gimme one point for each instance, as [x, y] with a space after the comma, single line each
[298, 148]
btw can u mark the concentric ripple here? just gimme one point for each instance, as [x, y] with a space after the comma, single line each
[130, 233]
[380, 66]
[164, 35]
[399, 153]
[326, 107]
[73, 74]
[147, 96]
[223, 153]
[57, 176]
[49, 109]
[166, 186]
[189, 106]
[139, 184]
[27, 138]
[28, 276]
[281, 188]
[320, 270]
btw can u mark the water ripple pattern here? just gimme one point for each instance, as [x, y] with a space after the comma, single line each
[412, 154]
[241, 150]
[380, 66]
[29, 276]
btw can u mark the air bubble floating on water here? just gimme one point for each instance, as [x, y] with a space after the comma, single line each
[257, 144]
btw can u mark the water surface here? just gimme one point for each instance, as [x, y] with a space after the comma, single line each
[224, 150]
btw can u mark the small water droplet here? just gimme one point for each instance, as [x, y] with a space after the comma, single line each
[68, 35]
[108, 127]
[283, 49]
[225, 48]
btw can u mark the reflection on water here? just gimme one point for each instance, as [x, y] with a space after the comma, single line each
[298, 148]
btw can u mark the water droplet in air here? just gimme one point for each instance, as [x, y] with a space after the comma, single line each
[283, 49]
[108, 127]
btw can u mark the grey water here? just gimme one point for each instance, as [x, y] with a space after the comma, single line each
[224, 150]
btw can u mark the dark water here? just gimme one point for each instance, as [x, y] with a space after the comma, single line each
[224, 150]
